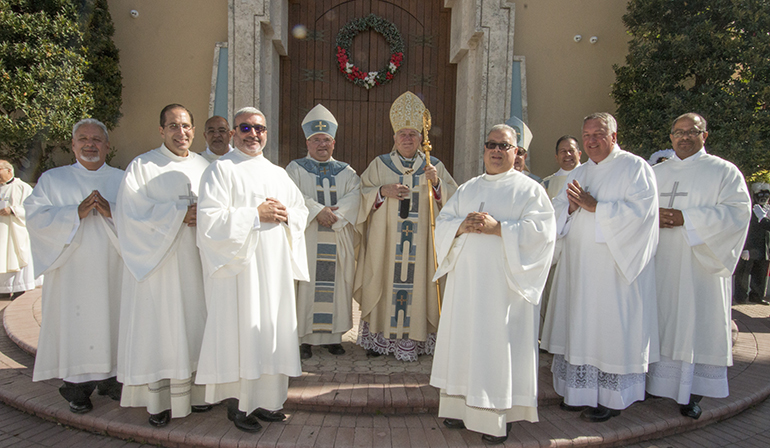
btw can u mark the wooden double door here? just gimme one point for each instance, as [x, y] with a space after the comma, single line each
[310, 75]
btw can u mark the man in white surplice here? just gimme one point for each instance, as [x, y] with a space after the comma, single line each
[494, 240]
[163, 310]
[16, 271]
[601, 322]
[251, 227]
[704, 217]
[332, 193]
[75, 245]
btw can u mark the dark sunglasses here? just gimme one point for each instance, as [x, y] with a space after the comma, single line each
[246, 128]
[493, 145]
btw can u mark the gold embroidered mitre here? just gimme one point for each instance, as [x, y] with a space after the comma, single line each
[406, 112]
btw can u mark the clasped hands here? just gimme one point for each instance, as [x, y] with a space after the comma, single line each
[272, 211]
[479, 222]
[579, 198]
[326, 216]
[94, 201]
[670, 217]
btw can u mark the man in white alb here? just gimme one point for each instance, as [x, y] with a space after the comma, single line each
[601, 322]
[568, 157]
[75, 245]
[332, 193]
[704, 216]
[494, 240]
[163, 310]
[251, 231]
[16, 271]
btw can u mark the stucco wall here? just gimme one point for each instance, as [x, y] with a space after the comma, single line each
[567, 80]
[166, 56]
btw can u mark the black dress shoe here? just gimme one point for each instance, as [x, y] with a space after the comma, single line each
[160, 420]
[454, 423]
[305, 352]
[247, 423]
[691, 410]
[372, 354]
[759, 301]
[269, 416]
[565, 407]
[81, 407]
[335, 349]
[496, 440]
[201, 408]
[599, 414]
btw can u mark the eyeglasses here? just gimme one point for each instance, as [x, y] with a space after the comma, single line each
[691, 133]
[246, 128]
[176, 127]
[217, 130]
[493, 145]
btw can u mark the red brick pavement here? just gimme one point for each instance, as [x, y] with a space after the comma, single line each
[353, 401]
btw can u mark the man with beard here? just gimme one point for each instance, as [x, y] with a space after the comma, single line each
[251, 231]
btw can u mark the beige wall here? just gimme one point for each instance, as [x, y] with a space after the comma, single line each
[166, 56]
[566, 80]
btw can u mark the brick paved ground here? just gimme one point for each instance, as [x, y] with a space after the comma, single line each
[351, 401]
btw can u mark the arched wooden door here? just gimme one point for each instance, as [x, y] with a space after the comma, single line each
[309, 75]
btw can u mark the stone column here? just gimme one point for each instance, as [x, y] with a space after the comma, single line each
[257, 38]
[481, 45]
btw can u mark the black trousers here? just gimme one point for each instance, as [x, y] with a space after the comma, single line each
[750, 280]
[80, 392]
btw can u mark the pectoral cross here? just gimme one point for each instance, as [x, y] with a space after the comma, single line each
[190, 197]
[673, 194]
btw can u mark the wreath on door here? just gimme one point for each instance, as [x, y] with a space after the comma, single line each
[345, 38]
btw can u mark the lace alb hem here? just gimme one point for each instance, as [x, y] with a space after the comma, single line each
[402, 349]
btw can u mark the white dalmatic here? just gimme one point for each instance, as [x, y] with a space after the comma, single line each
[15, 257]
[486, 358]
[250, 346]
[694, 267]
[601, 321]
[81, 261]
[324, 304]
[163, 310]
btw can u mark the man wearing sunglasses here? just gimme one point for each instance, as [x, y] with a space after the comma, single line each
[163, 309]
[251, 231]
[602, 322]
[704, 216]
[494, 241]
[332, 194]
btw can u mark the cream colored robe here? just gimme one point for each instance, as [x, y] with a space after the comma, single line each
[324, 305]
[410, 309]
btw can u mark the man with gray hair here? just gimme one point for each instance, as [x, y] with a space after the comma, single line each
[251, 232]
[74, 244]
[15, 257]
[601, 322]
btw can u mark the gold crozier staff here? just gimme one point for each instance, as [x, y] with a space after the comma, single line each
[427, 148]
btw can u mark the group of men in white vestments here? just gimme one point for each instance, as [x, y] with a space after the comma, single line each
[210, 277]
[641, 294]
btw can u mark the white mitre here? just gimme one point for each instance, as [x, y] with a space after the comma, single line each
[319, 121]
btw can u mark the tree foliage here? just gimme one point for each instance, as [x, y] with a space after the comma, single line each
[57, 65]
[711, 57]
